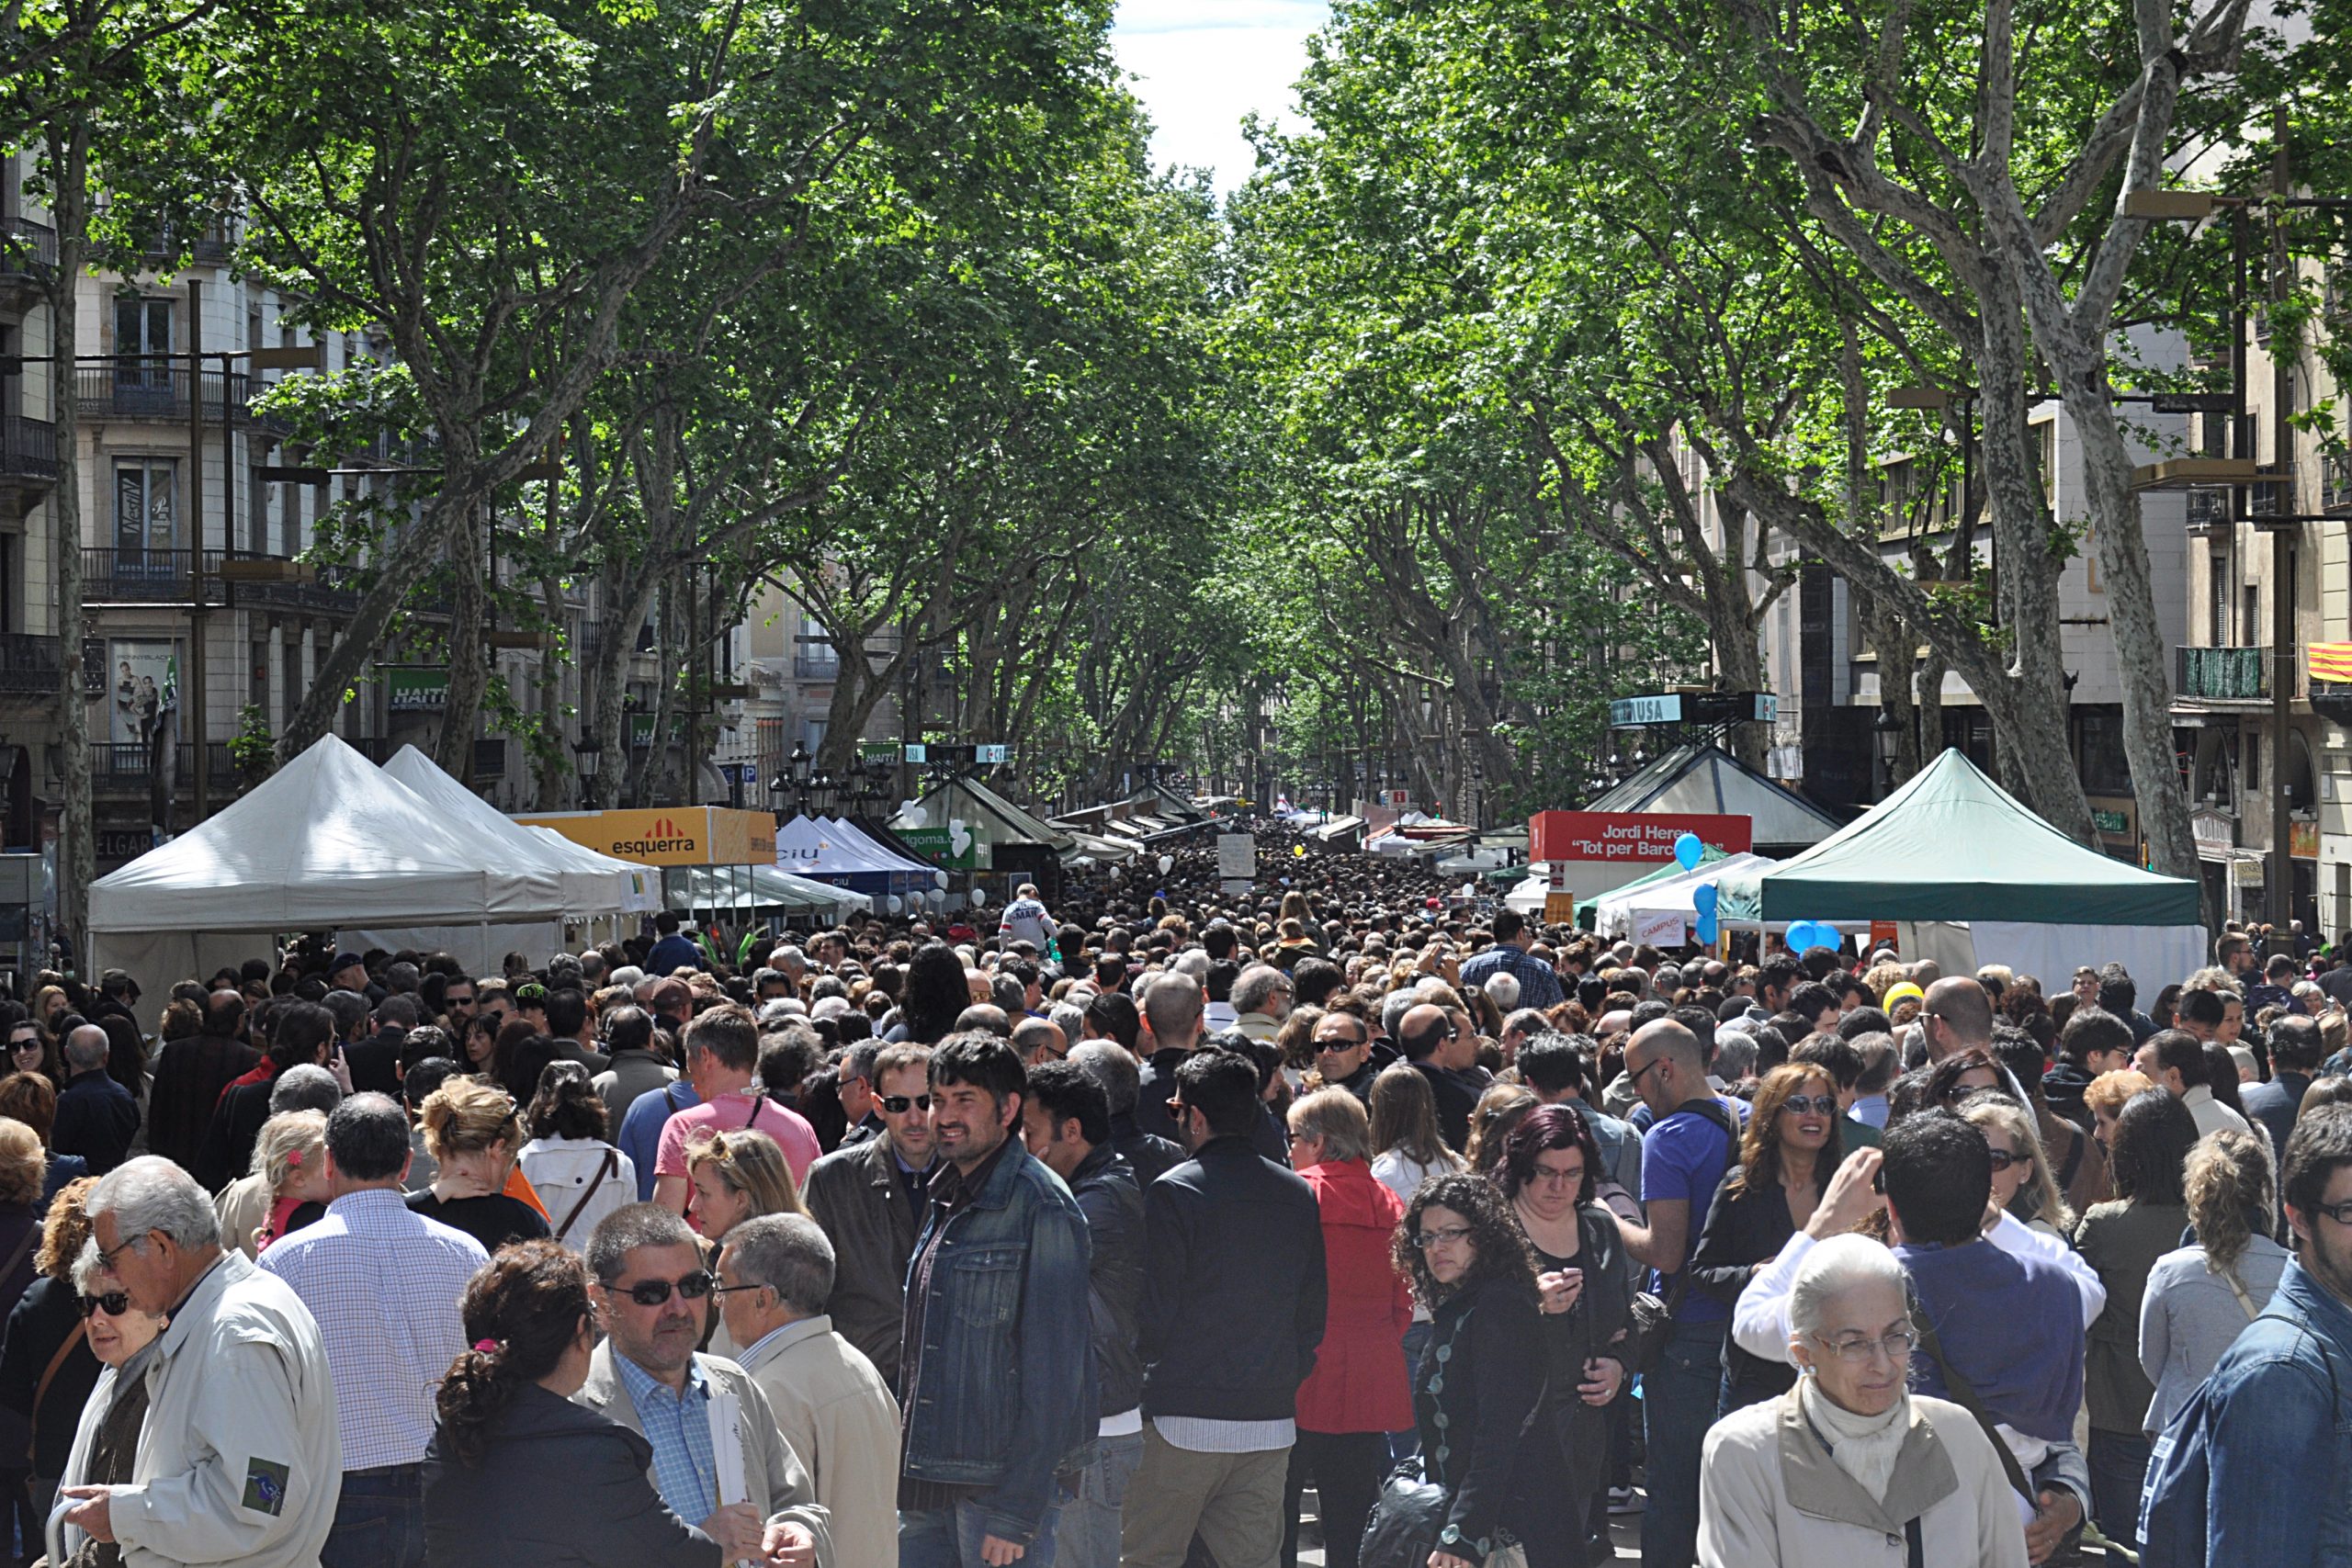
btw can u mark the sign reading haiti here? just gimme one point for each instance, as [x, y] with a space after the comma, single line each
[1632, 838]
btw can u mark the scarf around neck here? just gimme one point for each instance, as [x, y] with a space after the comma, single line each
[1864, 1447]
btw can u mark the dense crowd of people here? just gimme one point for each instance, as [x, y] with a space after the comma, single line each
[1103, 1231]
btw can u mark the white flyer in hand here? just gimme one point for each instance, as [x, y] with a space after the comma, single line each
[727, 1445]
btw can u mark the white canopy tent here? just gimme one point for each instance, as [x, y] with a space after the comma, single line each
[1656, 910]
[597, 887]
[330, 842]
[880, 851]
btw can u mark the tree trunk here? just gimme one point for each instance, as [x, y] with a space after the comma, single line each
[69, 147]
[469, 651]
[548, 756]
[2141, 657]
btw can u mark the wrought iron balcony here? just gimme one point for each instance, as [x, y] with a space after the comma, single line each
[146, 389]
[2223, 674]
[30, 665]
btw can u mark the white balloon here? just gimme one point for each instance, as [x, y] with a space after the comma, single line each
[939, 880]
[1166, 864]
[935, 898]
[979, 897]
[897, 903]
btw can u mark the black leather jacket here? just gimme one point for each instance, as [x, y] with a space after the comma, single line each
[854, 1193]
[1107, 1195]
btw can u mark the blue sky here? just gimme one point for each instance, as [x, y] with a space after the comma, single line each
[1202, 64]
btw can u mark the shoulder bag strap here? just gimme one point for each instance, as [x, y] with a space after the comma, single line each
[32, 1234]
[49, 1375]
[605, 1171]
[1964, 1394]
[2237, 1288]
[1713, 1109]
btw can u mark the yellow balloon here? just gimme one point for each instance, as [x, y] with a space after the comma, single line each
[1299, 850]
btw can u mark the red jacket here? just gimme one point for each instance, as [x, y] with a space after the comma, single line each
[1359, 1383]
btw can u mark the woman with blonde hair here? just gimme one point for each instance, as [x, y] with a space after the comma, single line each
[737, 1175]
[2199, 1297]
[2021, 1181]
[474, 1133]
[291, 1157]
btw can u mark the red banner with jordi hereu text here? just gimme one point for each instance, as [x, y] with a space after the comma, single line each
[1631, 836]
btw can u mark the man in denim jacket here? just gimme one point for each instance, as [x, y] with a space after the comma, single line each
[2279, 1431]
[998, 1390]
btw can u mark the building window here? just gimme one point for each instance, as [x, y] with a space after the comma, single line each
[2217, 598]
[256, 511]
[142, 327]
[144, 490]
[2105, 769]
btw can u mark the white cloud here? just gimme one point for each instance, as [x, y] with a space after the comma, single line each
[1201, 65]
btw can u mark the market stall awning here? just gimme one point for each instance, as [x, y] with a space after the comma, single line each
[1953, 845]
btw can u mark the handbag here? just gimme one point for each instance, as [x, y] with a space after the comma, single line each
[1652, 1319]
[1402, 1528]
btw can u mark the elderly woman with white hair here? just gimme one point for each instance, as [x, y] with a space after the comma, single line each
[1851, 1467]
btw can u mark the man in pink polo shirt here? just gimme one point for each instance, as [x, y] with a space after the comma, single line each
[722, 1053]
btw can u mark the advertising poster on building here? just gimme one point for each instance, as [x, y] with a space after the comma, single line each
[138, 688]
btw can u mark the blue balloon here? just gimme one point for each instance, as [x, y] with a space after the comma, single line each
[1688, 851]
[1707, 931]
[1703, 899]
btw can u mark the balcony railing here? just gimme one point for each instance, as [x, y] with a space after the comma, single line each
[120, 765]
[2209, 508]
[27, 448]
[2223, 674]
[335, 590]
[816, 667]
[26, 249]
[113, 576]
[135, 389]
[29, 664]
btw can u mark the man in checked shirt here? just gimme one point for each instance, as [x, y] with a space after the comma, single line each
[383, 1284]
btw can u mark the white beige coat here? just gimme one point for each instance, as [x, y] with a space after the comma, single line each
[775, 1481]
[839, 1417]
[240, 1459]
[1770, 1494]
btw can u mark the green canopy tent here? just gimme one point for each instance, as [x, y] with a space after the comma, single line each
[1961, 863]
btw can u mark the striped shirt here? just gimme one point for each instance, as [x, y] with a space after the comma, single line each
[384, 1284]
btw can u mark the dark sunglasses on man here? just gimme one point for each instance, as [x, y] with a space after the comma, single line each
[898, 1104]
[654, 1292]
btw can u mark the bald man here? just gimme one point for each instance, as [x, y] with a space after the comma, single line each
[1684, 1158]
[1957, 1015]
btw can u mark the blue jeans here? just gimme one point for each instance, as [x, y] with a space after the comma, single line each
[950, 1538]
[379, 1520]
[1404, 1445]
[1086, 1527]
[1677, 1406]
[2118, 1463]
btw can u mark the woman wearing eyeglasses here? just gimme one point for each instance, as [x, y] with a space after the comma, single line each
[1851, 1462]
[1789, 1152]
[2124, 1240]
[1480, 1394]
[106, 1445]
[1551, 1167]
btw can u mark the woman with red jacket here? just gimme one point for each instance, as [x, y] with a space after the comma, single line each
[1359, 1391]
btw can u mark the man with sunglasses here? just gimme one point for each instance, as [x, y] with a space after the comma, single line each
[871, 1198]
[1000, 1393]
[651, 1291]
[1343, 1054]
[239, 1459]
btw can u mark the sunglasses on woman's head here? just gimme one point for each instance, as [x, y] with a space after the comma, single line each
[114, 1303]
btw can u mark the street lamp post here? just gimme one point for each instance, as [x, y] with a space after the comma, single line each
[590, 754]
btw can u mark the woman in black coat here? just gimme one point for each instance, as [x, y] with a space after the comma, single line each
[1789, 1152]
[517, 1476]
[1481, 1397]
[46, 1369]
